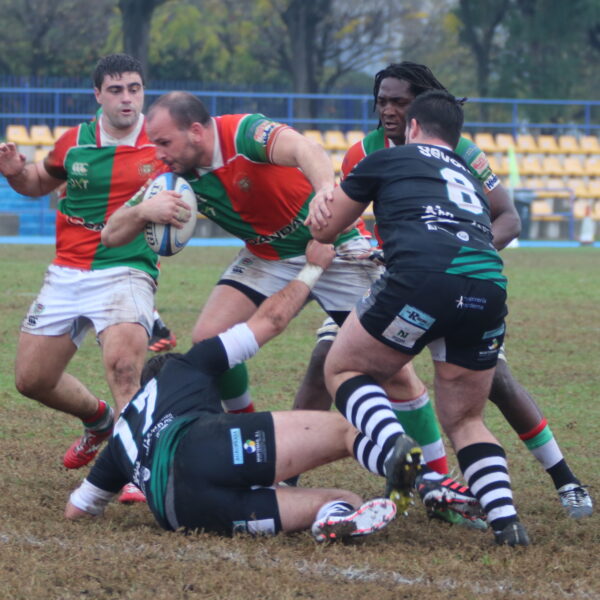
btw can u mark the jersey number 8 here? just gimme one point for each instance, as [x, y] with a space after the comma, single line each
[461, 191]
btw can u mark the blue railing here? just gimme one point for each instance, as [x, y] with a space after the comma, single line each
[63, 106]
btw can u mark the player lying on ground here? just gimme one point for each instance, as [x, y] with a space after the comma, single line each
[203, 469]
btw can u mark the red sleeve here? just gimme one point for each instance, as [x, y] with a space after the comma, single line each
[54, 163]
[353, 156]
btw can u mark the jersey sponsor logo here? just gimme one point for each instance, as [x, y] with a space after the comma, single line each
[276, 235]
[463, 236]
[402, 333]
[491, 182]
[438, 153]
[480, 163]
[237, 451]
[78, 221]
[263, 130]
[156, 430]
[257, 446]
[78, 184]
[416, 316]
[475, 303]
[80, 168]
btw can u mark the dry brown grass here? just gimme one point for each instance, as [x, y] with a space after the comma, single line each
[553, 347]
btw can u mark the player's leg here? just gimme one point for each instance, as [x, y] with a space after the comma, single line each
[525, 417]
[162, 338]
[226, 306]
[461, 395]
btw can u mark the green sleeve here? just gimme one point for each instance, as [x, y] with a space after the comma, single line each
[478, 163]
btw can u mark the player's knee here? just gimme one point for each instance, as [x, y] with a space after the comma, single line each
[503, 385]
[125, 371]
[34, 386]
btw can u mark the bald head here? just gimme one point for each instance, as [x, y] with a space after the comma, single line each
[183, 108]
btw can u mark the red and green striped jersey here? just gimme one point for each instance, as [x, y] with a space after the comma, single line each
[473, 156]
[261, 203]
[99, 180]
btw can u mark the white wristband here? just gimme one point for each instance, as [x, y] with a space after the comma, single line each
[309, 275]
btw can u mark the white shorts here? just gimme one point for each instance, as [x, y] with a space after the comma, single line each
[73, 301]
[338, 289]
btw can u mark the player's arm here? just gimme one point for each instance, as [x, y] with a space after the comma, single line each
[506, 224]
[128, 221]
[292, 149]
[275, 313]
[343, 214]
[29, 179]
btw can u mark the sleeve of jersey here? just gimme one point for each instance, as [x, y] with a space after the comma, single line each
[54, 163]
[478, 163]
[352, 157]
[90, 498]
[105, 473]
[362, 183]
[256, 137]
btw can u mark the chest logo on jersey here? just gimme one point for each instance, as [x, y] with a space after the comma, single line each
[146, 169]
[80, 168]
[244, 183]
[276, 235]
[78, 221]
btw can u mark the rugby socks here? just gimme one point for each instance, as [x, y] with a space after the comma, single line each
[102, 420]
[233, 386]
[364, 403]
[418, 419]
[486, 471]
[541, 443]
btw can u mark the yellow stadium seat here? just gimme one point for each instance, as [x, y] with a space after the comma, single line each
[573, 166]
[591, 166]
[589, 144]
[568, 144]
[547, 144]
[59, 130]
[594, 188]
[41, 135]
[354, 136]
[504, 141]
[581, 208]
[552, 166]
[540, 208]
[18, 134]
[485, 141]
[40, 153]
[532, 182]
[336, 160]
[315, 135]
[526, 144]
[334, 140]
[530, 165]
[579, 187]
[500, 167]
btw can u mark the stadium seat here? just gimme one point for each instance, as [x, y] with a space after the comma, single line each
[40, 153]
[541, 208]
[354, 136]
[552, 166]
[500, 167]
[547, 144]
[315, 135]
[334, 140]
[526, 144]
[19, 135]
[579, 187]
[504, 141]
[581, 208]
[594, 188]
[568, 144]
[530, 165]
[591, 166]
[336, 160]
[589, 144]
[485, 141]
[59, 130]
[41, 135]
[573, 166]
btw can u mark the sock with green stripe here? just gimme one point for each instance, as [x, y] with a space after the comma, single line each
[541, 443]
[233, 386]
[102, 420]
[418, 419]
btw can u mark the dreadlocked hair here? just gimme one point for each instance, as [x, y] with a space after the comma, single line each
[420, 78]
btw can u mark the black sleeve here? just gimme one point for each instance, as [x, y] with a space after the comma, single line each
[208, 356]
[106, 473]
[363, 182]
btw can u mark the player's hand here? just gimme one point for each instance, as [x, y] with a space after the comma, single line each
[167, 208]
[318, 209]
[319, 254]
[12, 162]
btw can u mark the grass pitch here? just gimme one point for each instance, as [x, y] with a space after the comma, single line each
[553, 348]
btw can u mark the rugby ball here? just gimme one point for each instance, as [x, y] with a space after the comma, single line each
[167, 240]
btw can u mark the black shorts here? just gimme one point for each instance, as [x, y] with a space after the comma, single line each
[460, 318]
[216, 465]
